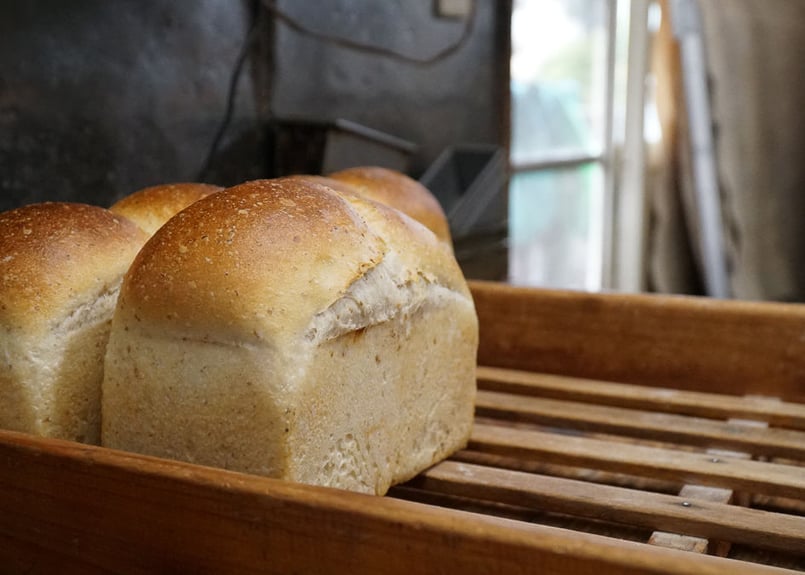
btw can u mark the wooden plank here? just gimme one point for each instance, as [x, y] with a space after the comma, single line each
[683, 466]
[670, 428]
[689, 343]
[700, 518]
[711, 405]
[126, 513]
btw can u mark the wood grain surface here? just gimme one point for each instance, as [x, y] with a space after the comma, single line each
[687, 343]
[68, 508]
[601, 427]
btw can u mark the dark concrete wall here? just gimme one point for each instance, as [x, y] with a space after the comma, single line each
[459, 99]
[100, 98]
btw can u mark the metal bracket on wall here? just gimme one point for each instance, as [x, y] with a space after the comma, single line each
[452, 8]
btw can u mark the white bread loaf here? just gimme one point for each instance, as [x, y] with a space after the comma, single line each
[151, 207]
[283, 329]
[61, 266]
[397, 190]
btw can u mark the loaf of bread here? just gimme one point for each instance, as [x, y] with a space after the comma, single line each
[285, 329]
[151, 207]
[61, 266]
[398, 191]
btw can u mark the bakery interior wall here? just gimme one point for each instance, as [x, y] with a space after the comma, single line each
[454, 100]
[99, 99]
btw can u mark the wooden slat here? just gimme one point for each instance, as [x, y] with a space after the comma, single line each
[657, 511]
[690, 543]
[687, 467]
[703, 493]
[96, 510]
[711, 405]
[699, 344]
[779, 504]
[410, 492]
[637, 423]
[568, 471]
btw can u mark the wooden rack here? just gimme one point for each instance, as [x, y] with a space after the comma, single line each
[614, 434]
[564, 451]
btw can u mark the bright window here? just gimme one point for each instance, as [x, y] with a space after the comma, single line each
[567, 76]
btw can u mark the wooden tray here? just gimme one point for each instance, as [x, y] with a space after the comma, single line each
[615, 434]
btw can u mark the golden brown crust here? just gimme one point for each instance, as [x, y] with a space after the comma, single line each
[398, 191]
[264, 255]
[420, 249]
[151, 207]
[51, 253]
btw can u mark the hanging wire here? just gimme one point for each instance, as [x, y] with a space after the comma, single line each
[232, 92]
[297, 26]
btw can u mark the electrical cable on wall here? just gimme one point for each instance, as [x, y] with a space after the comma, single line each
[294, 24]
[229, 110]
[297, 26]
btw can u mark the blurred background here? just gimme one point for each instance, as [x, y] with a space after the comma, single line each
[626, 145]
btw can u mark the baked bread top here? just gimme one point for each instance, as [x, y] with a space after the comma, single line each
[151, 207]
[398, 191]
[57, 256]
[261, 260]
